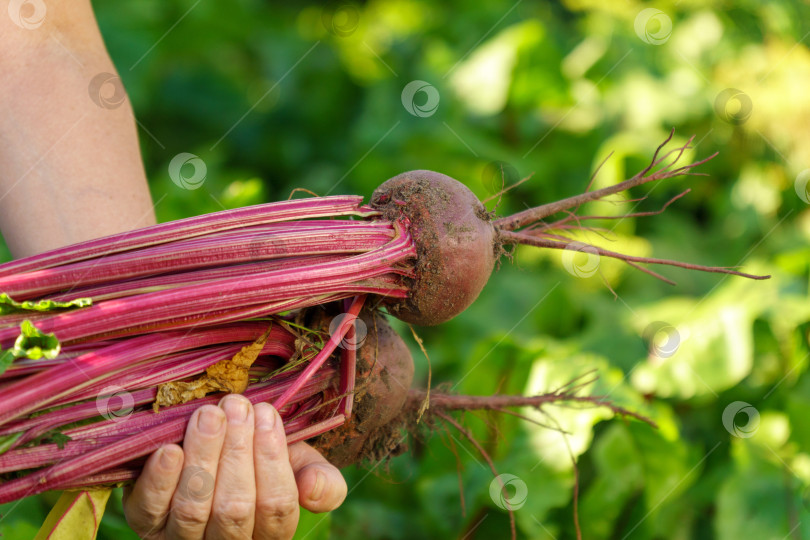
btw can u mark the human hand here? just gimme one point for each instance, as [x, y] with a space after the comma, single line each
[235, 477]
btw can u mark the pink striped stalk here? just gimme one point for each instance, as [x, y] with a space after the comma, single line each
[317, 207]
[328, 348]
[104, 432]
[348, 367]
[143, 419]
[116, 475]
[325, 278]
[46, 387]
[234, 248]
[384, 285]
[33, 427]
[141, 443]
[159, 283]
[168, 368]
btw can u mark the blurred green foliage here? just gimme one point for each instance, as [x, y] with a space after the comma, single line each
[273, 97]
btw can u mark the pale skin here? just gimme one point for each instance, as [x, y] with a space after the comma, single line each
[70, 171]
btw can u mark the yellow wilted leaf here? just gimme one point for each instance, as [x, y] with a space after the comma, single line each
[75, 516]
[228, 375]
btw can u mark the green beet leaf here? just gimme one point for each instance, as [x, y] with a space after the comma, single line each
[32, 344]
[9, 305]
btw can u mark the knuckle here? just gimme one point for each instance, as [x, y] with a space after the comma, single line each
[281, 508]
[189, 516]
[147, 515]
[233, 514]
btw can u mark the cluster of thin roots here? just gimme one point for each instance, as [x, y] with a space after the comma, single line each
[439, 416]
[533, 226]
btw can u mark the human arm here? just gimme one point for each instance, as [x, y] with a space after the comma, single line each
[70, 170]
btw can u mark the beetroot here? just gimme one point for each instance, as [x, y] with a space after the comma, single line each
[385, 372]
[455, 243]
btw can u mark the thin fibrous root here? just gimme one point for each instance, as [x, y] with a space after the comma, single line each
[509, 237]
[533, 215]
[469, 436]
[451, 402]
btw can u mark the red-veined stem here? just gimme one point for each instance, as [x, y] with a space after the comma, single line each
[317, 207]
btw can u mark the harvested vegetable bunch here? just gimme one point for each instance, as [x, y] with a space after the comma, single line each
[98, 433]
[160, 304]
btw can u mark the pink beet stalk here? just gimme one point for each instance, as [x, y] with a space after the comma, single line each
[233, 248]
[278, 285]
[316, 207]
[48, 386]
[118, 452]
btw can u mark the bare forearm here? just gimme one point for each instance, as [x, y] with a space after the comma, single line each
[70, 169]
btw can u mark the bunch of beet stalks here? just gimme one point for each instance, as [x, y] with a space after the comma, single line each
[91, 334]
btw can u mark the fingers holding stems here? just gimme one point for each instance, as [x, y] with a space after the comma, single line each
[235, 477]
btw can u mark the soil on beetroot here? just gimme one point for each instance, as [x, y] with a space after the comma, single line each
[384, 375]
[454, 238]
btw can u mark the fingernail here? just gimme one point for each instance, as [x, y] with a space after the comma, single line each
[210, 421]
[236, 408]
[266, 417]
[320, 483]
[169, 457]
